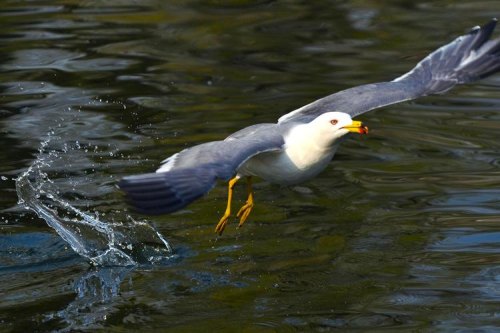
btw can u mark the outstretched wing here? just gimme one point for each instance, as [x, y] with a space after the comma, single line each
[466, 59]
[188, 175]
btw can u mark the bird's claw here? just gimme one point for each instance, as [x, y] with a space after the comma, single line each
[244, 212]
[219, 228]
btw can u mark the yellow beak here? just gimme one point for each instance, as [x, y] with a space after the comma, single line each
[357, 127]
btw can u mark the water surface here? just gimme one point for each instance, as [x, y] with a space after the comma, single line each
[400, 232]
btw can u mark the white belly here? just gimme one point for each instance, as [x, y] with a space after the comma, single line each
[287, 168]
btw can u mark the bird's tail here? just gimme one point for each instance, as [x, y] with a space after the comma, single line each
[468, 58]
[166, 192]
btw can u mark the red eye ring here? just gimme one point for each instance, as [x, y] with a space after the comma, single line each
[334, 121]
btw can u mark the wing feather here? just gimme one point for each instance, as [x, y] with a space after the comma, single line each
[468, 58]
[188, 175]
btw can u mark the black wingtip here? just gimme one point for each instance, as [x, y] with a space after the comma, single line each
[149, 194]
[490, 26]
[487, 28]
[466, 59]
[166, 192]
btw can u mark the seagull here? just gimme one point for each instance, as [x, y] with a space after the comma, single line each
[303, 142]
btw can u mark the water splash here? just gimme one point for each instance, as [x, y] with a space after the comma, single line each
[104, 243]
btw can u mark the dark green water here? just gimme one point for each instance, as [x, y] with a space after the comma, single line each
[401, 232]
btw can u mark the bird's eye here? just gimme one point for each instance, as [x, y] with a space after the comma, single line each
[334, 121]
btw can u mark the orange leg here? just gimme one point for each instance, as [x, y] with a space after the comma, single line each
[247, 207]
[225, 218]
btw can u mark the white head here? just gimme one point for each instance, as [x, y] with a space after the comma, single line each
[329, 127]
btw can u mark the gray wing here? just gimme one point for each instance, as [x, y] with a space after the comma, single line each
[191, 173]
[466, 59]
[226, 156]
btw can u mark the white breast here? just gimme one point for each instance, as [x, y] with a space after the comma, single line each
[301, 160]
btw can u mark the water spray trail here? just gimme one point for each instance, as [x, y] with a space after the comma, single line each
[102, 242]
